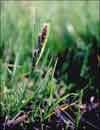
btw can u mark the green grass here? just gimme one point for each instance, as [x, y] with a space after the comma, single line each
[20, 26]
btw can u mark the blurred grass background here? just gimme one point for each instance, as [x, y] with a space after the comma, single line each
[21, 22]
[28, 17]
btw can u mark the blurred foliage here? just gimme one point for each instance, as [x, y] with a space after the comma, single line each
[22, 21]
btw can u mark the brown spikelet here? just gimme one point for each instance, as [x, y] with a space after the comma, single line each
[41, 43]
[42, 40]
[42, 35]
